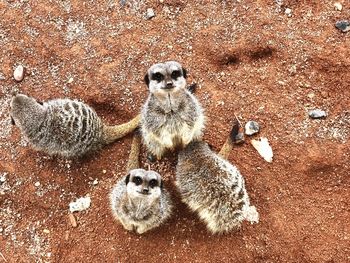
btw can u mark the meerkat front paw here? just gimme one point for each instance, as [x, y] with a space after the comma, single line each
[127, 226]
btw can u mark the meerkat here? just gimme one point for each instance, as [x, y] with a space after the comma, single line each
[138, 200]
[213, 187]
[171, 117]
[64, 127]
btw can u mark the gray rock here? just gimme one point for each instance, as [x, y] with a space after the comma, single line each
[150, 13]
[317, 114]
[343, 25]
[251, 127]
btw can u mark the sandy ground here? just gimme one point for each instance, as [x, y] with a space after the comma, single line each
[248, 58]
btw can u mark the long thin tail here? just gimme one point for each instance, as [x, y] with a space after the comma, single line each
[133, 161]
[112, 133]
[236, 137]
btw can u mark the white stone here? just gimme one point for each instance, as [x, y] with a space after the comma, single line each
[288, 12]
[3, 178]
[37, 184]
[80, 204]
[150, 13]
[264, 149]
[18, 74]
[317, 114]
[338, 6]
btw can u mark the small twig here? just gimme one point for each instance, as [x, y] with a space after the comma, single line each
[3, 257]
[240, 124]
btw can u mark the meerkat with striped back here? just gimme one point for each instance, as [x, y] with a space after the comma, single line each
[213, 187]
[64, 127]
[138, 200]
[171, 117]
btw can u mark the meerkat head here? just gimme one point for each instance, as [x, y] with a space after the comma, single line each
[143, 184]
[166, 77]
[26, 112]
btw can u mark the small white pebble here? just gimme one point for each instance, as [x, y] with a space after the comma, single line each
[338, 6]
[70, 80]
[80, 204]
[150, 13]
[37, 184]
[288, 12]
[104, 171]
[95, 182]
[18, 74]
[46, 231]
[311, 95]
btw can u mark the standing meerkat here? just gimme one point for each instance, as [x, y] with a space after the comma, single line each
[171, 117]
[138, 200]
[64, 127]
[213, 187]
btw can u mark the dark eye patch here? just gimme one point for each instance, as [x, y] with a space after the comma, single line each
[153, 183]
[175, 74]
[137, 180]
[157, 76]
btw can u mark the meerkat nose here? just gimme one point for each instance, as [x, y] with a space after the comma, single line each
[145, 190]
[169, 85]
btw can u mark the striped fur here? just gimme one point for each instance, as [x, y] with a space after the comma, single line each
[214, 188]
[62, 126]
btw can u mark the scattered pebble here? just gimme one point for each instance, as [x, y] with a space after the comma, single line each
[80, 204]
[311, 95]
[2, 179]
[95, 182]
[343, 25]
[37, 184]
[150, 13]
[252, 127]
[288, 12]
[264, 149]
[317, 114]
[338, 6]
[46, 231]
[18, 74]
[70, 80]
[72, 220]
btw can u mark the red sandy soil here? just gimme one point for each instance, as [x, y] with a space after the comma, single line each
[249, 58]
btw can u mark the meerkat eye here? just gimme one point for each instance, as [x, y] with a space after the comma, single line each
[175, 74]
[137, 180]
[157, 76]
[153, 183]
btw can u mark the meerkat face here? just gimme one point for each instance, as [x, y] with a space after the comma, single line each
[25, 109]
[144, 184]
[163, 78]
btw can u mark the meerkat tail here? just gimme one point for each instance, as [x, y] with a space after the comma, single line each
[133, 161]
[112, 133]
[236, 136]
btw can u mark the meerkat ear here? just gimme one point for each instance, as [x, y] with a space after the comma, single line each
[184, 71]
[127, 179]
[146, 79]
